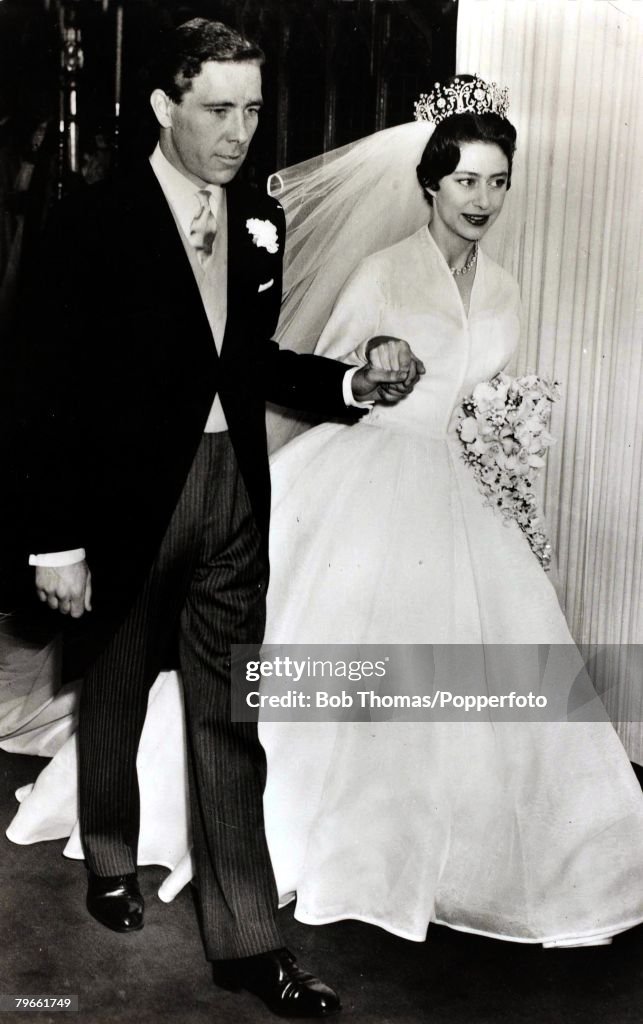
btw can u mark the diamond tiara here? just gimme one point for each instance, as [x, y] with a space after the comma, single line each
[462, 96]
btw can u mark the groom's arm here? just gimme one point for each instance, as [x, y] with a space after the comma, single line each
[52, 336]
[328, 386]
[52, 343]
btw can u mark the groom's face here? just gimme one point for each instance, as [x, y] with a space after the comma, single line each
[206, 136]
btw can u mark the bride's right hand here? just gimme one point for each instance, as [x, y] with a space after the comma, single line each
[394, 355]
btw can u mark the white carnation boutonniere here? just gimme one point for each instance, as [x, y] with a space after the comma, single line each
[264, 234]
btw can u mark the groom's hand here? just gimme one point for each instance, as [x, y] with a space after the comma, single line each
[67, 588]
[391, 373]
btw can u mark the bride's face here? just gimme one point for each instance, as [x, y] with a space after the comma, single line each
[470, 198]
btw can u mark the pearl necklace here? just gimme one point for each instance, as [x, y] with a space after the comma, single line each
[471, 262]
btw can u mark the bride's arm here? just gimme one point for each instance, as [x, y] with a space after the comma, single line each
[355, 319]
[354, 333]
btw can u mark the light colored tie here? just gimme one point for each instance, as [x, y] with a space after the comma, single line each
[204, 227]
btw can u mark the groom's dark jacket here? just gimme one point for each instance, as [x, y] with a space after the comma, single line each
[114, 371]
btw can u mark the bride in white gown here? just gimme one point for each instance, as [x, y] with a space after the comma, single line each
[529, 831]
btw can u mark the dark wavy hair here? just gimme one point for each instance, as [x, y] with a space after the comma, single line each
[187, 48]
[441, 154]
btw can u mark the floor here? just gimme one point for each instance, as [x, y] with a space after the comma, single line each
[50, 946]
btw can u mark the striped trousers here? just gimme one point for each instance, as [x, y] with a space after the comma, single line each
[208, 582]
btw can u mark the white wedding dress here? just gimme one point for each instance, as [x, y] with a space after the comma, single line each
[531, 831]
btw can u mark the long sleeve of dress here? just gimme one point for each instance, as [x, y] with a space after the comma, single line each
[356, 318]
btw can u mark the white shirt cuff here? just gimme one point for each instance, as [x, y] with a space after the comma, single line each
[347, 390]
[57, 559]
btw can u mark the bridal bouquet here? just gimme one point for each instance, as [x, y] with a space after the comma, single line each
[503, 427]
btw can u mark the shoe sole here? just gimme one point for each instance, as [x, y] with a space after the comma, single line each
[122, 929]
[280, 1011]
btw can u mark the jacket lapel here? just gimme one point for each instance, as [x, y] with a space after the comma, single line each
[237, 263]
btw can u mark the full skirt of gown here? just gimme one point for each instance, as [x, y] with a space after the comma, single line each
[525, 830]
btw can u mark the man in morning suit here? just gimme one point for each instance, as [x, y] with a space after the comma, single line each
[151, 361]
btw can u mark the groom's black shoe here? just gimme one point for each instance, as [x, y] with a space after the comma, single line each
[284, 987]
[115, 901]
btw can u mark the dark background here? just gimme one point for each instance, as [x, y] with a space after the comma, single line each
[336, 69]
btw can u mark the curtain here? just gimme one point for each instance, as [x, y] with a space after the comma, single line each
[572, 236]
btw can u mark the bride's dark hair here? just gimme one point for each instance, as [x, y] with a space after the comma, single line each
[441, 154]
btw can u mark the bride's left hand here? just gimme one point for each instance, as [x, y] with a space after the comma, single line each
[391, 373]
